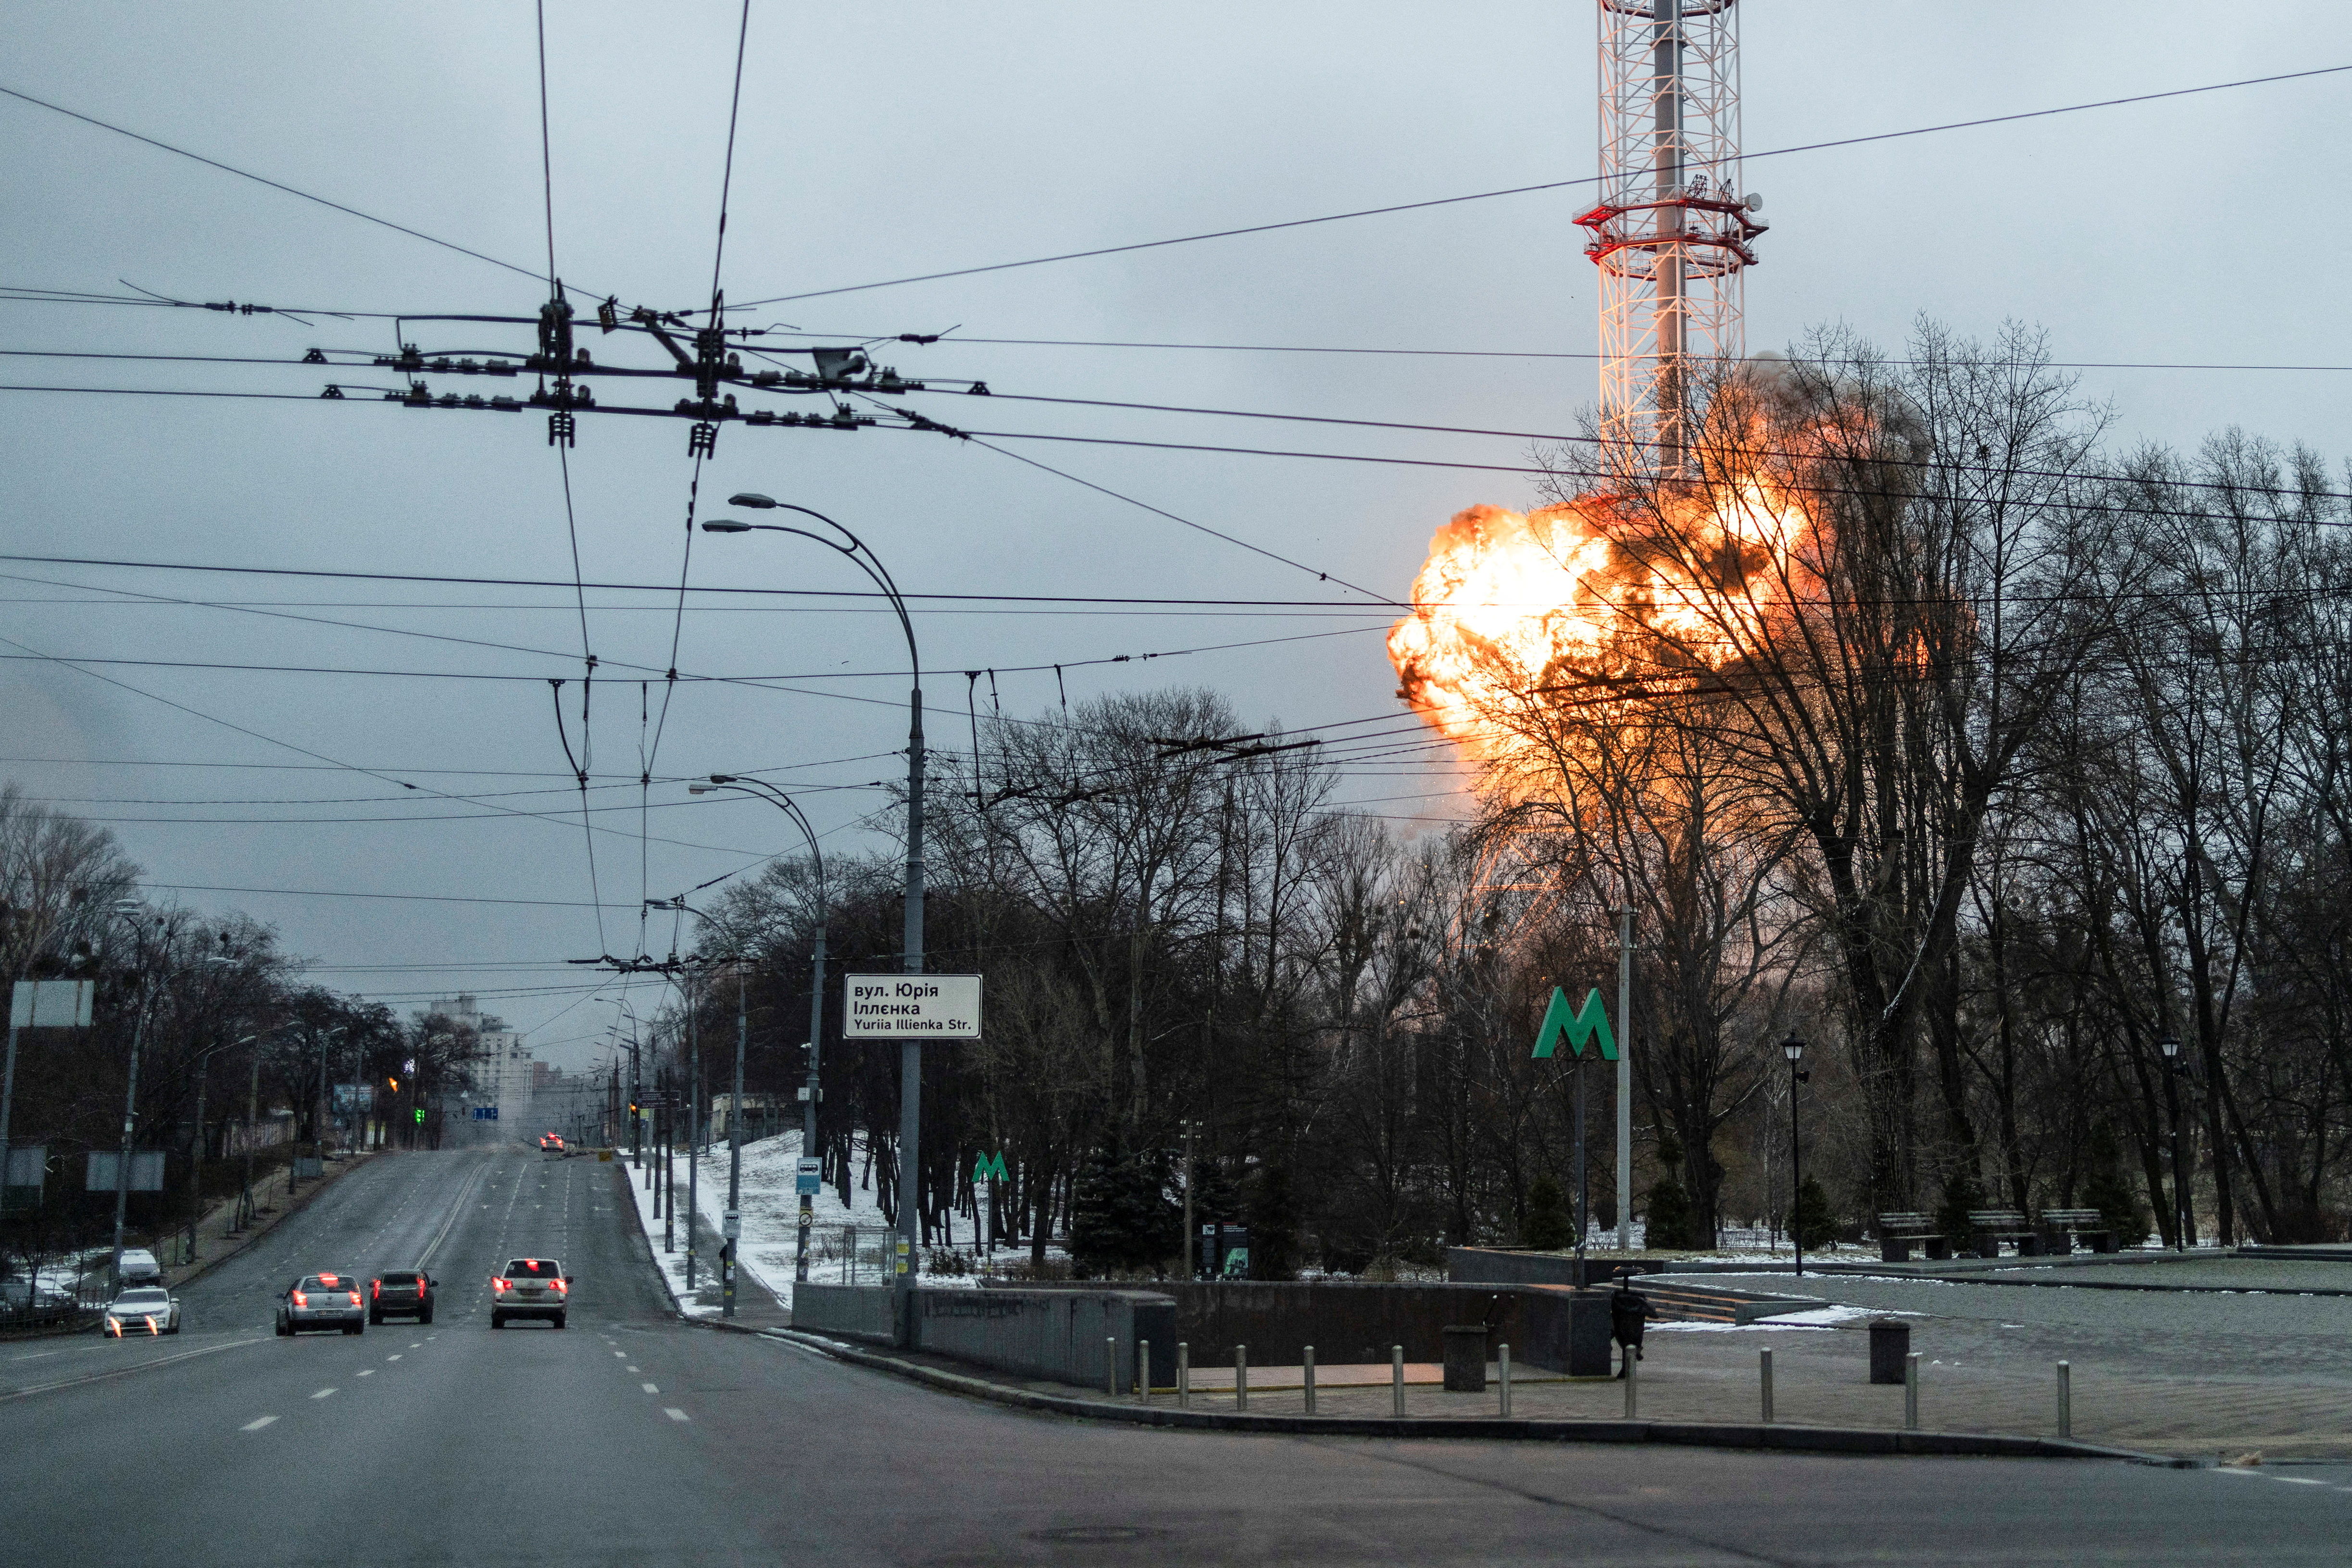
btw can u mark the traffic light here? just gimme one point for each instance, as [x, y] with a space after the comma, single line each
[395, 1084]
[420, 1113]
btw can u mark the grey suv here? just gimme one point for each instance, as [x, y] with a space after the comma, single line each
[529, 1288]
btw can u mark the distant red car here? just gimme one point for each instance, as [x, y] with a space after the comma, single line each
[551, 1144]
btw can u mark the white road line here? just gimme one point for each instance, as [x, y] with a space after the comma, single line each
[633, 1369]
[419, 1345]
[369, 1372]
[322, 1394]
[256, 1426]
[649, 1388]
[2299, 1480]
[620, 1355]
[37, 1356]
[675, 1414]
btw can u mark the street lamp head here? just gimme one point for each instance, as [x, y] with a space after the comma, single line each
[701, 789]
[2169, 1046]
[754, 499]
[723, 779]
[726, 526]
[1793, 1048]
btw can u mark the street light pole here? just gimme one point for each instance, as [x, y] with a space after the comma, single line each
[2171, 1048]
[814, 1088]
[130, 1104]
[911, 1050]
[1794, 1050]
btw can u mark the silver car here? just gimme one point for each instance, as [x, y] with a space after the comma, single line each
[145, 1309]
[325, 1300]
[529, 1288]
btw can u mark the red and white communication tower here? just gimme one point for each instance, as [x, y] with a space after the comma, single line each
[1673, 232]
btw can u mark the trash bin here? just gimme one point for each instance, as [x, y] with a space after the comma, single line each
[1466, 1358]
[1890, 1343]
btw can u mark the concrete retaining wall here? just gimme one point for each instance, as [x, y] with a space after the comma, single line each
[1350, 1322]
[1057, 1335]
[845, 1311]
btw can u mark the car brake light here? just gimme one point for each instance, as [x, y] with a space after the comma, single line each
[329, 1281]
[300, 1300]
[355, 1298]
[556, 1285]
[376, 1289]
[498, 1284]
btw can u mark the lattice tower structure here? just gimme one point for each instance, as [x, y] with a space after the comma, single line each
[1672, 234]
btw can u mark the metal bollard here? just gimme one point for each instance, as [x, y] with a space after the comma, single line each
[1310, 1380]
[1143, 1372]
[1184, 1374]
[1110, 1367]
[1503, 1367]
[1396, 1375]
[1632, 1383]
[1764, 1357]
[1241, 1377]
[2065, 1400]
[1911, 1392]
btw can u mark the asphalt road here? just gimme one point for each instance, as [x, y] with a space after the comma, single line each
[632, 1438]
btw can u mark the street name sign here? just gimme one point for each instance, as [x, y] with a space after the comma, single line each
[920, 1007]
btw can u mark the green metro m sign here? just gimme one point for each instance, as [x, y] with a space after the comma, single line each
[984, 1166]
[1578, 1026]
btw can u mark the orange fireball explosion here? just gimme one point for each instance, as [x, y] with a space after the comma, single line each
[1509, 602]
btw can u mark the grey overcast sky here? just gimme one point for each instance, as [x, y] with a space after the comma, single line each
[881, 141]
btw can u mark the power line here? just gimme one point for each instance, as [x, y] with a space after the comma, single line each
[1525, 190]
[264, 179]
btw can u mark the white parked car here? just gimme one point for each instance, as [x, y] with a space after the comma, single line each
[139, 1267]
[150, 1308]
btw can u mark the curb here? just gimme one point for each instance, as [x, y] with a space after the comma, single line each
[1778, 1438]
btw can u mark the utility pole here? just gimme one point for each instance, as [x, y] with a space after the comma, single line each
[693, 1128]
[1624, 1083]
[129, 1109]
[1190, 1224]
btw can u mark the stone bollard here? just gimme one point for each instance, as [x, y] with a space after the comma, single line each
[1110, 1365]
[1911, 1392]
[1184, 1374]
[1143, 1371]
[1311, 1379]
[1396, 1376]
[1466, 1358]
[1503, 1369]
[1241, 1377]
[1633, 1384]
[1764, 1360]
[2065, 1400]
[1890, 1342]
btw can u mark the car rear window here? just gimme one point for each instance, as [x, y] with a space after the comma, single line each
[400, 1279]
[534, 1268]
[330, 1282]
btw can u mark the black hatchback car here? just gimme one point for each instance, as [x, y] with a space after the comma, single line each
[401, 1293]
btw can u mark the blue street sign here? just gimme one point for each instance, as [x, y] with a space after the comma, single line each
[485, 1113]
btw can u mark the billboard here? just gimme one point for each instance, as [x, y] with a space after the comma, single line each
[146, 1170]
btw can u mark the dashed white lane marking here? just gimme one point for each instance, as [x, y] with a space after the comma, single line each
[256, 1426]
[418, 1345]
[369, 1372]
[322, 1394]
[393, 1357]
[633, 1369]
[620, 1355]
[37, 1356]
[649, 1388]
[675, 1414]
[2299, 1480]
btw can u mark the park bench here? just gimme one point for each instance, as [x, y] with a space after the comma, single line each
[1896, 1232]
[1988, 1227]
[2063, 1226]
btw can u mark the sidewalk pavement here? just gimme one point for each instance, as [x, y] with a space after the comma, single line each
[1820, 1378]
[756, 1307]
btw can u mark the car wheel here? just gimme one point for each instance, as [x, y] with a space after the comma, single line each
[425, 1317]
[283, 1331]
[354, 1328]
[498, 1320]
[559, 1320]
[375, 1319]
